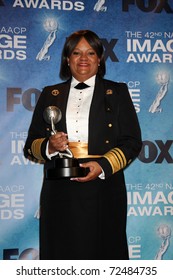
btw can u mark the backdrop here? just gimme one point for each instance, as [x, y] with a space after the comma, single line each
[138, 40]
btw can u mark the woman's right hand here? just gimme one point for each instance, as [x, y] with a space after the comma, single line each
[58, 142]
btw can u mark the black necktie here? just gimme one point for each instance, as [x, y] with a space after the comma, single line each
[81, 86]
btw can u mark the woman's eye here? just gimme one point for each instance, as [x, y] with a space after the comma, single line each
[76, 53]
[91, 53]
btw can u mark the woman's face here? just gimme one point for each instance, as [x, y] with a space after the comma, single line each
[83, 61]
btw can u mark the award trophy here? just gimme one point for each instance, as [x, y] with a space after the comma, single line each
[65, 165]
[164, 232]
[50, 26]
[163, 81]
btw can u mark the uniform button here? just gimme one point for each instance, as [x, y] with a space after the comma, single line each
[110, 125]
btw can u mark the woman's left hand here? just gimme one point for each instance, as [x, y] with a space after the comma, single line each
[94, 171]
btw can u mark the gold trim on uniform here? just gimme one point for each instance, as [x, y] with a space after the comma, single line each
[36, 148]
[55, 92]
[122, 157]
[109, 91]
[116, 159]
[80, 150]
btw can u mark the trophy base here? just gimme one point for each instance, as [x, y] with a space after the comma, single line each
[65, 168]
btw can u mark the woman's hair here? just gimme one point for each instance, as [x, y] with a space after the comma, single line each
[70, 44]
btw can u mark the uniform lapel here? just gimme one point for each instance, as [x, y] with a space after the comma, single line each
[61, 102]
[96, 111]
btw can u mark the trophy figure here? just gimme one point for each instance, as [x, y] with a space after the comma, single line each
[99, 6]
[65, 165]
[163, 80]
[164, 233]
[50, 26]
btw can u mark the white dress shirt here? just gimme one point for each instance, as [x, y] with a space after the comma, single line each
[77, 113]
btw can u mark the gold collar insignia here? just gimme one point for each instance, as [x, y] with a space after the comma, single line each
[109, 91]
[55, 92]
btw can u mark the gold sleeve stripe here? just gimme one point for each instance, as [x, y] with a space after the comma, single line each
[122, 156]
[113, 160]
[36, 148]
[116, 159]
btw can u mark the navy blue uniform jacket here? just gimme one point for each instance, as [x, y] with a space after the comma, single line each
[87, 220]
[114, 131]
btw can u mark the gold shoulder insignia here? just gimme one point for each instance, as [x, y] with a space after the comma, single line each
[55, 92]
[109, 91]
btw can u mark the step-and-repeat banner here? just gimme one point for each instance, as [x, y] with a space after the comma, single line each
[138, 39]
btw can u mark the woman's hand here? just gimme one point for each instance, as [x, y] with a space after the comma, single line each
[58, 142]
[95, 171]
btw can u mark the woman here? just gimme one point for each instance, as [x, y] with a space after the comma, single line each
[85, 217]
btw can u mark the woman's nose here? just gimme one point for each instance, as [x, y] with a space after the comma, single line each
[83, 56]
